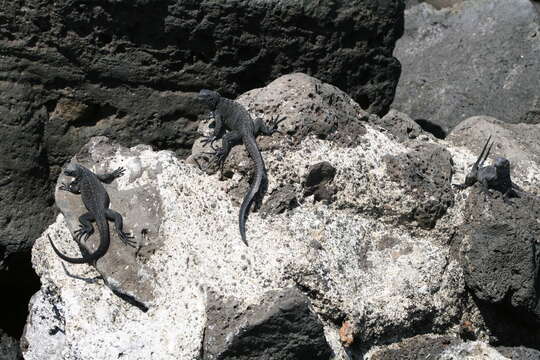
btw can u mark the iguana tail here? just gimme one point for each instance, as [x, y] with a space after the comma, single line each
[483, 155]
[89, 258]
[260, 176]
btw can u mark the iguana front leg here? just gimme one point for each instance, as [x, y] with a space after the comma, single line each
[218, 132]
[109, 177]
[227, 142]
[484, 188]
[73, 187]
[510, 193]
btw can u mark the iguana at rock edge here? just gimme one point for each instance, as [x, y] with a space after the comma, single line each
[96, 200]
[230, 115]
[496, 176]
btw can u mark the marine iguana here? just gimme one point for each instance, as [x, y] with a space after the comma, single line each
[96, 200]
[496, 176]
[230, 115]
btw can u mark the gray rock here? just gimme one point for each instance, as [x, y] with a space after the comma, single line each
[519, 353]
[471, 351]
[448, 348]
[125, 69]
[417, 347]
[311, 107]
[478, 58]
[398, 124]
[282, 326]
[438, 4]
[426, 172]
[500, 252]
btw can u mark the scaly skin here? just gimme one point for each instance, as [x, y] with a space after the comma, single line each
[232, 116]
[496, 177]
[96, 200]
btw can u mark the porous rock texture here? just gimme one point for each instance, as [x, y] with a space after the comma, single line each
[447, 348]
[438, 4]
[9, 348]
[70, 70]
[480, 57]
[337, 277]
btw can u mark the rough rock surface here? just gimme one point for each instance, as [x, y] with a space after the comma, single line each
[500, 251]
[370, 278]
[9, 348]
[447, 348]
[399, 125]
[478, 58]
[519, 353]
[124, 69]
[281, 327]
[311, 107]
[438, 4]
[426, 173]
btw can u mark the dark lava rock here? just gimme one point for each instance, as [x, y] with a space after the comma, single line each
[125, 69]
[281, 327]
[416, 348]
[427, 173]
[9, 348]
[398, 124]
[478, 58]
[280, 200]
[501, 253]
[317, 182]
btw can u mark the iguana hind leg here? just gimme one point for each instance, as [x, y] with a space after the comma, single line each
[118, 226]
[86, 229]
[262, 128]
[484, 188]
[73, 187]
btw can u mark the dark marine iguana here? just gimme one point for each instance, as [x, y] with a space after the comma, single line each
[96, 200]
[496, 176]
[230, 115]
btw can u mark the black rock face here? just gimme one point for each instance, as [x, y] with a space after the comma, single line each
[281, 327]
[500, 256]
[127, 69]
[318, 181]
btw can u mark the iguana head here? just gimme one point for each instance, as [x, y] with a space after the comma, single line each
[502, 165]
[209, 98]
[72, 170]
